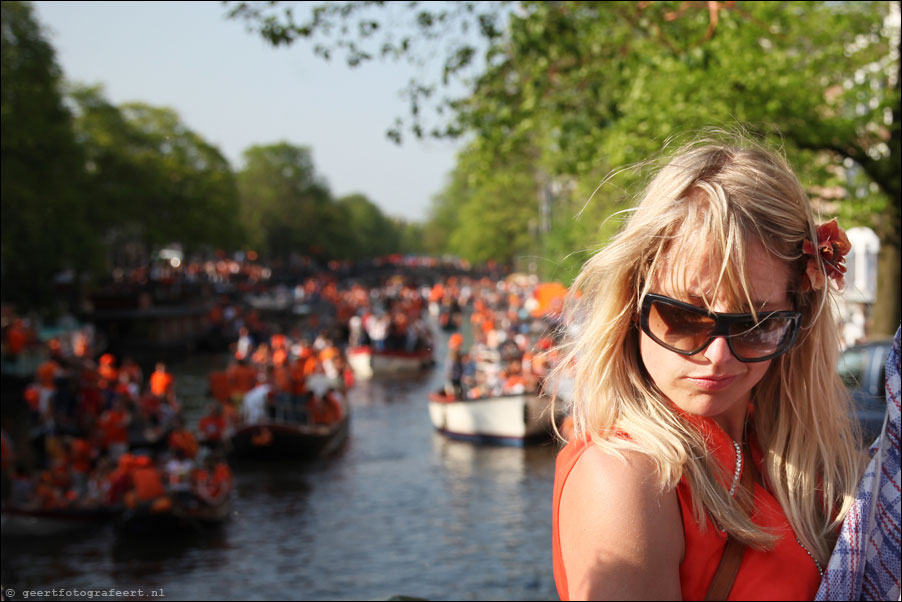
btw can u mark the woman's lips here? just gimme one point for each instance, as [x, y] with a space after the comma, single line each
[712, 383]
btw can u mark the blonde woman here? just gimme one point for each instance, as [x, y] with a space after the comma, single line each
[712, 453]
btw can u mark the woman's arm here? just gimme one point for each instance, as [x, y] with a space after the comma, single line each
[621, 539]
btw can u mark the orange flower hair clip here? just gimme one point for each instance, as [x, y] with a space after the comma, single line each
[831, 250]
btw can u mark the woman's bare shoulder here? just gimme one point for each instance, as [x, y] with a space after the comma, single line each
[621, 537]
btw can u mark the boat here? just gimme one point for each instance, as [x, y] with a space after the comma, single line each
[274, 441]
[367, 362]
[517, 419]
[187, 512]
[33, 522]
[319, 431]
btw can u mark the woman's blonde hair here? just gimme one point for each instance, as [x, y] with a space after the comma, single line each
[717, 201]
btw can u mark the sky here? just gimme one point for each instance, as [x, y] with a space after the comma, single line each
[236, 91]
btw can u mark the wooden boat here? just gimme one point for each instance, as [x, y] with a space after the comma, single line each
[289, 440]
[367, 362]
[517, 419]
[188, 512]
[30, 522]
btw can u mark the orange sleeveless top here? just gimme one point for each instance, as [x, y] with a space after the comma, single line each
[786, 572]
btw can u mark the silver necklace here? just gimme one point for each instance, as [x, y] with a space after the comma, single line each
[736, 474]
[738, 470]
[820, 569]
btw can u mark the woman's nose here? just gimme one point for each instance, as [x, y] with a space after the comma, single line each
[718, 351]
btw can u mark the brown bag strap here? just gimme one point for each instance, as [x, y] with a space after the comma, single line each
[731, 558]
[726, 571]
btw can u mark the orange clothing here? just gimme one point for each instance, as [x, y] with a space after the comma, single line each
[310, 365]
[6, 452]
[106, 368]
[49, 497]
[279, 357]
[16, 339]
[161, 383]
[148, 483]
[243, 378]
[114, 427]
[47, 372]
[82, 455]
[298, 378]
[784, 573]
[512, 383]
[230, 414]
[211, 427]
[184, 440]
[33, 397]
[282, 378]
[327, 410]
[215, 484]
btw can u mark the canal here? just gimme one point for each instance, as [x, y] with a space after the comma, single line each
[399, 511]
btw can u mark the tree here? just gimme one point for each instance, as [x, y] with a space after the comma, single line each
[152, 179]
[368, 232]
[489, 210]
[287, 207]
[596, 86]
[43, 228]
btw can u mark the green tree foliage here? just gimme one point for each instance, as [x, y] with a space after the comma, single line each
[42, 220]
[489, 213]
[368, 232]
[289, 211]
[595, 86]
[152, 179]
[285, 205]
[82, 179]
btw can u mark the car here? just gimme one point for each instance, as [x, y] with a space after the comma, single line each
[862, 368]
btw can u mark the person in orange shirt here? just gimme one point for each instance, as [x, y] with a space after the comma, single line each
[47, 495]
[212, 426]
[118, 480]
[162, 383]
[106, 368]
[327, 409]
[261, 355]
[710, 426]
[47, 373]
[213, 482]
[147, 486]
[113, 426]
[182, 439]
[16, 338]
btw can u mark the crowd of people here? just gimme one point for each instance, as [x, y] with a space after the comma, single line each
[101, 435]
[282, 378]
[512, 339]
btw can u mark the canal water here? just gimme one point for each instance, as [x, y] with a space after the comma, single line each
[400, 510]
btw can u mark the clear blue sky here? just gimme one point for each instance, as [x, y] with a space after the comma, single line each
[236, 91]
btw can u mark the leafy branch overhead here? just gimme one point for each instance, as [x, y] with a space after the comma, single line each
[580, 89]
[441, 41]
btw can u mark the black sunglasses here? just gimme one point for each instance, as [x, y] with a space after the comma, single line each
[687, 329]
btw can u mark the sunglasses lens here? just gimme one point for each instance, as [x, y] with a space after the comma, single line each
[678, 328]
[752, 340]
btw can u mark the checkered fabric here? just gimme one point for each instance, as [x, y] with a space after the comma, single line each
[865, 564]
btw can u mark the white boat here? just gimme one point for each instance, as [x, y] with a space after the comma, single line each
[508, 420]
[366, 362]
